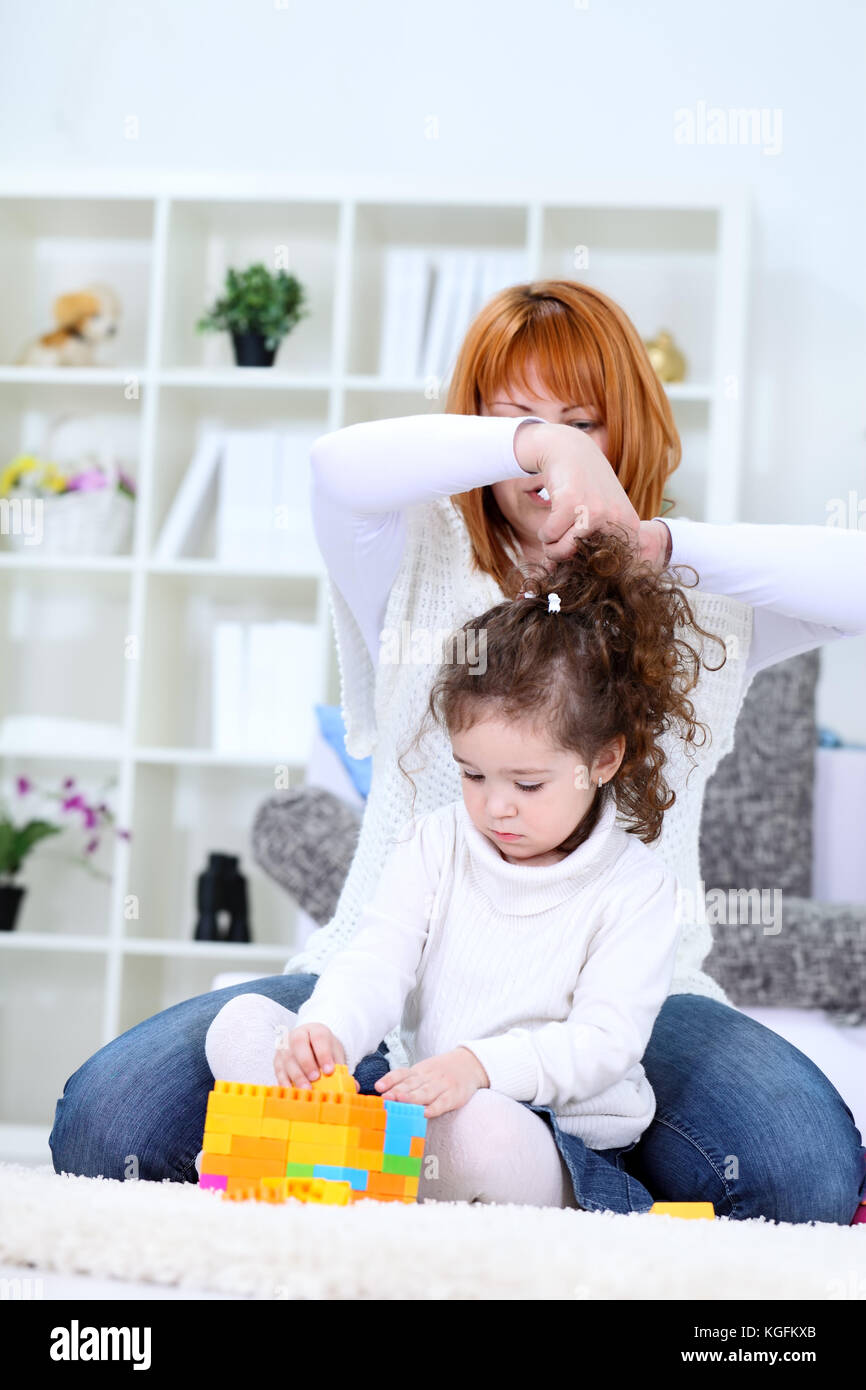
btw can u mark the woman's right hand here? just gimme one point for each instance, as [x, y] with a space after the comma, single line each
[302, 1053]
[585, 493]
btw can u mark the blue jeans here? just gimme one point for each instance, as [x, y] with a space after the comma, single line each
[744, 1120]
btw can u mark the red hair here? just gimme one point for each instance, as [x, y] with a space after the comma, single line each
[585, 350]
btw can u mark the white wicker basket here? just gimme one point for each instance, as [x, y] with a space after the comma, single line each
[97, 522]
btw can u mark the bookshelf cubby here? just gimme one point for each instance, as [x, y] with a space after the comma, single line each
[78, 965]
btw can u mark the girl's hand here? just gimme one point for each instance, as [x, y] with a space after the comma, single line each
[438, 1083]
[302, 1053]
[585, 493]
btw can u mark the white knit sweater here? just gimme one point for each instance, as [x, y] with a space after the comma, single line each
[436, 590]
[553, 976]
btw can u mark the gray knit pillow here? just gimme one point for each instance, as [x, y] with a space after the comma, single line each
[305, 839]
[756, 827]
[815, 960]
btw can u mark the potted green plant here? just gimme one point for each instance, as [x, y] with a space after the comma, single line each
[17, 840]
[258, 309]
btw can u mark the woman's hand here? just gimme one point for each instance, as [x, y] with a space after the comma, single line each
[585, 493]
[438, 1083]
[302, 1052]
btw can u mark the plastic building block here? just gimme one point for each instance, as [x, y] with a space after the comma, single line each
[322, 1144]
[690, 1211]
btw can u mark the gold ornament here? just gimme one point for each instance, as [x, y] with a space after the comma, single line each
[667, 360]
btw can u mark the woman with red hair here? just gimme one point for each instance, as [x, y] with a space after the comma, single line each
[555, 425]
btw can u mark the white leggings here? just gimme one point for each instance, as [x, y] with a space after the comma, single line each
[492, 1149]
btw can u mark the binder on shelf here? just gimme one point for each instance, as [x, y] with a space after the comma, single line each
[186, 517]
[265, 686]
[466, 305]
[245, 522]
[292, 541]
[408, 277]
[229, 693]
[439, 334]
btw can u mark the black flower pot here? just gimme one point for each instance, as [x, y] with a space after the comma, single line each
[10, 901]
[250, 350]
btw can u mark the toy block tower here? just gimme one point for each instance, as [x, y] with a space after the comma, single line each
[323, 1144]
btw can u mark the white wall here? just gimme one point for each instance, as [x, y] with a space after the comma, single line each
[529, 92]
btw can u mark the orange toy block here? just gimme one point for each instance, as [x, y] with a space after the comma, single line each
[690, 1211]
[247, 1146]
[289, 1103]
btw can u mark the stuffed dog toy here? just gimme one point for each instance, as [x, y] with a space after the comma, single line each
[85, 319]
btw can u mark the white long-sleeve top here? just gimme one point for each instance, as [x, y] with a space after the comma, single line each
[553, 975]
[807, 584]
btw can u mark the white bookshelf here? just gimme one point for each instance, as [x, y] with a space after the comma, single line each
[76, 971]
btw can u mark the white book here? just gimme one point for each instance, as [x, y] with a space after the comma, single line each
[407, 274]
[283, 687]
[501, 269]
[245, 509]
[299, 684]
[419, 299]
[229, 696]
[293, 541]
[438, 336]
[263, 691]
[196, 491]
[465, 301]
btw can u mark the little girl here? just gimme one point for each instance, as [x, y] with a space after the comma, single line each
[523, 938]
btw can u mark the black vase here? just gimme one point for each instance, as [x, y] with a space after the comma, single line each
[222, 888]
[250, 350]
[10, 901]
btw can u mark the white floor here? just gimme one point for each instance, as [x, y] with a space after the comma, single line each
[46, 1284]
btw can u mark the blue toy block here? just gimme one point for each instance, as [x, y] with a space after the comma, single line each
[399, 1143]
[402, 1107]
[356, 1177]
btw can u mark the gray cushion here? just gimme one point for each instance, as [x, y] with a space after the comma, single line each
[305, 839]
[816, 960]
[756, 827]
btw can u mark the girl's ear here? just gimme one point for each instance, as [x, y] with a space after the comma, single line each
[607, 762]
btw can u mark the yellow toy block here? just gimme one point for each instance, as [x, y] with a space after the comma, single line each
[317, 1153]
[371, 1159]
[233, 1124]
[215, 1143]
[276, 1129]
[329, 1135]
[339, 1081]
[690, 1211]
[321, 1190]
[235, 1098]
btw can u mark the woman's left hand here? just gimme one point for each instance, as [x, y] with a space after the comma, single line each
[438, 1083]
[653, 541]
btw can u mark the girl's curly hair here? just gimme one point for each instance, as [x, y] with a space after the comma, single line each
[609, 662]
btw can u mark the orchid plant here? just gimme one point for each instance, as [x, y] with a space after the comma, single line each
[18, 839]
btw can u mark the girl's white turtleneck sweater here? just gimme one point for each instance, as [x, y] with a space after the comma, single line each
[552, 976]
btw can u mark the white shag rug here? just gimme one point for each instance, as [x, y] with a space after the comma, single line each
[179, 1235]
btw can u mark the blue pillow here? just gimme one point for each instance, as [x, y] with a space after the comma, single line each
[333, 729]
